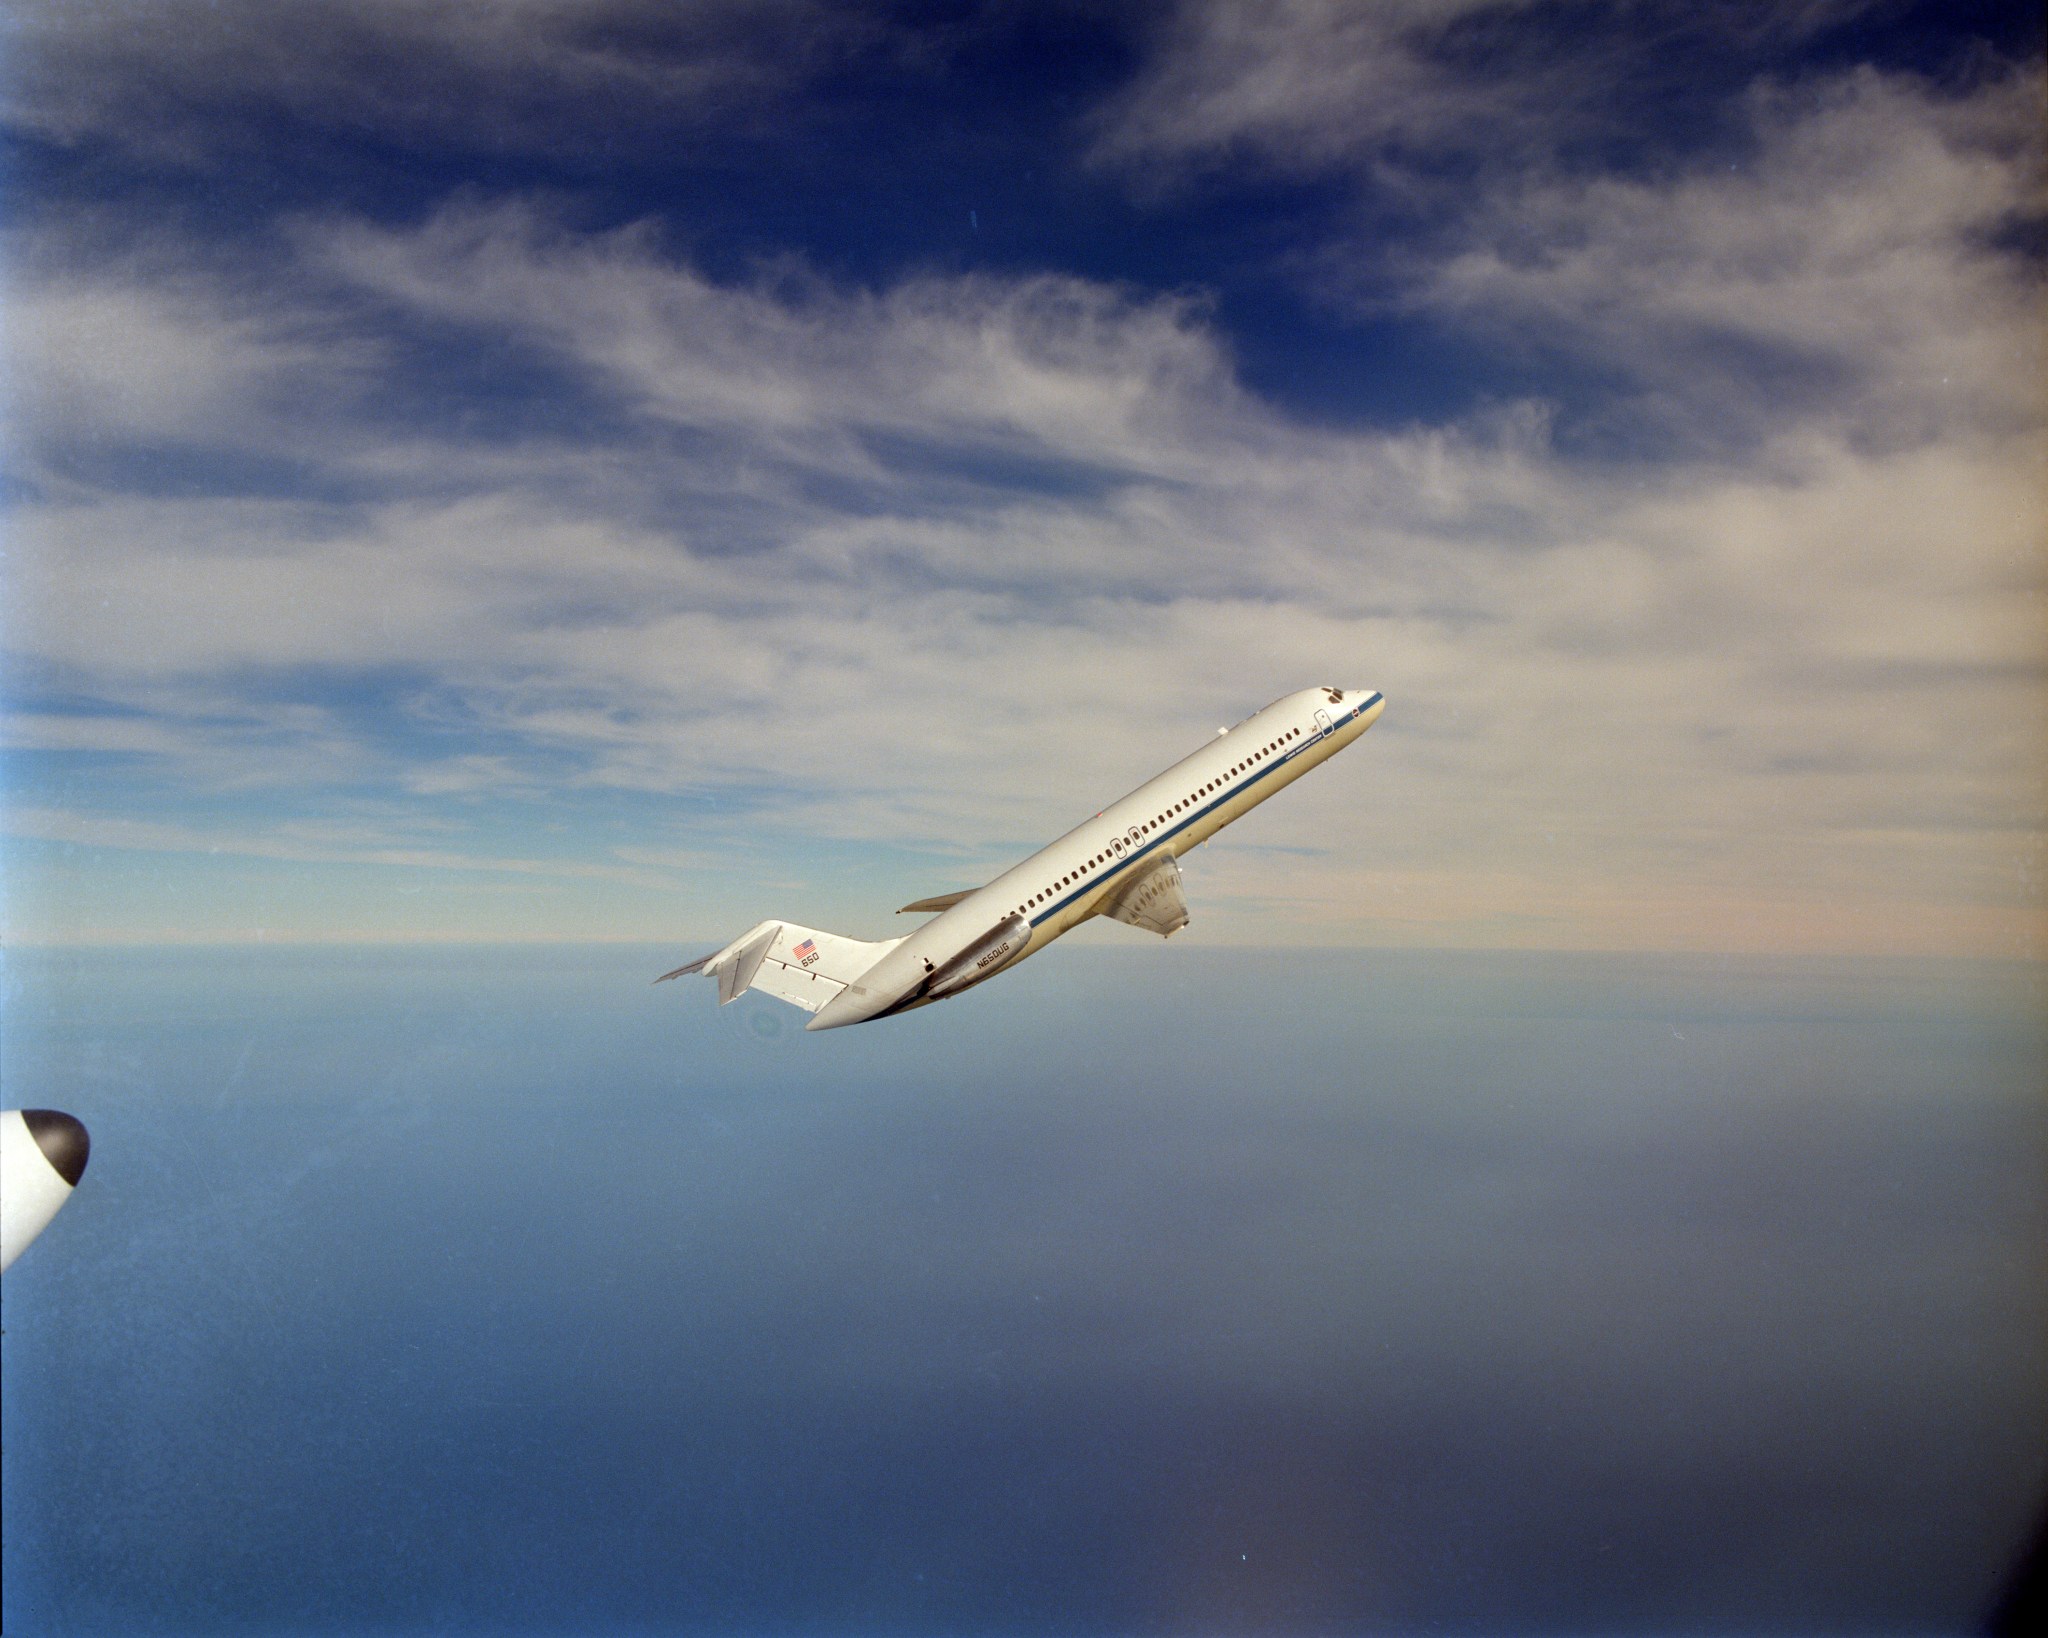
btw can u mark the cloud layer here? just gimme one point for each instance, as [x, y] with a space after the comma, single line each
[485, 511]
[157, 80]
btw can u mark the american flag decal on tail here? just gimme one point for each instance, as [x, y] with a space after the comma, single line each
[806, 952]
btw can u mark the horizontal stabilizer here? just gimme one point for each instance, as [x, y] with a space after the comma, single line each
[696, 966]
[944, 901]
[800, 965]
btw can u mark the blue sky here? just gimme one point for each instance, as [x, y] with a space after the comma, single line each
[613, 470]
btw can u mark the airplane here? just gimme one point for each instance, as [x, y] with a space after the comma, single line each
[1123, 863]
[42, 1157]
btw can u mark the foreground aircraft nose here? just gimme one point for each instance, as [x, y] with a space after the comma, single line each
[42, 1156]
[63, 1140]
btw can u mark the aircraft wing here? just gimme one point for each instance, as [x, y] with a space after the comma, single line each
[944, 901]
[1152, 900]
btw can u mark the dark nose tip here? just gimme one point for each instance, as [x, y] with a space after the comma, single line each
[62, 1139]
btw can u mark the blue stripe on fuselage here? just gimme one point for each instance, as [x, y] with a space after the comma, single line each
[1199, 814]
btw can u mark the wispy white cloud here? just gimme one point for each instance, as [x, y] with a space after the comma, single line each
[515, 74]
[1304, 84]
[1856, 271]
[1392, 89]
[1050, 366]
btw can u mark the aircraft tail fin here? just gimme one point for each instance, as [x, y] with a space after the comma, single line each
[801, 965]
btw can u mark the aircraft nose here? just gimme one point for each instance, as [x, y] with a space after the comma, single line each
[63, 1140]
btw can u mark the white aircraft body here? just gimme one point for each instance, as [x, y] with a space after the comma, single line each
[1120, 864]
[42, 1157]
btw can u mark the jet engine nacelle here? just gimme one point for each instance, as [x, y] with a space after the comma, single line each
[984, 958]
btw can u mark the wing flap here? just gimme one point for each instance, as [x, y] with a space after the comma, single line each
[1152, 900]
[799, 986]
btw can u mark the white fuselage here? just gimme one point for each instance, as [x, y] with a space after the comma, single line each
[1064, 884]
